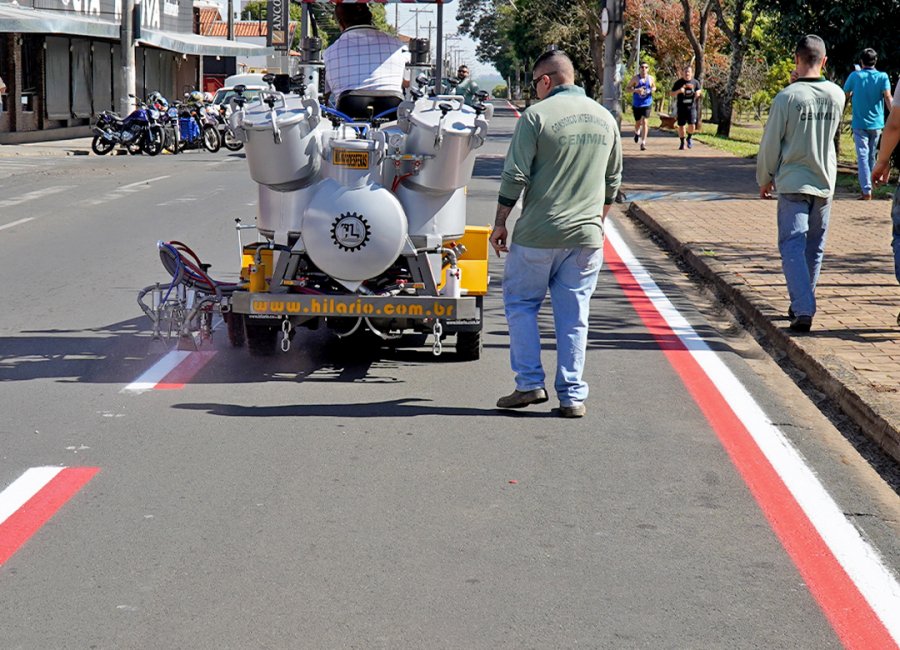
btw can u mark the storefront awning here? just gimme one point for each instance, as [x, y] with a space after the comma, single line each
[34, 21]
[201, 45]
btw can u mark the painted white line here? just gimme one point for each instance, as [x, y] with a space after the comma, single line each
[157, 372]
[858, 558]
[32, 196]
[23, 488]
[146, 182]
[16, 223]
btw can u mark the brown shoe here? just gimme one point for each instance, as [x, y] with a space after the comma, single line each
[521, 398]
[573, 411]
[864, 197]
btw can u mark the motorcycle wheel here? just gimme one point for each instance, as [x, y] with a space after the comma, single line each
[152, 142]
[134, 148]
[231, 142]
[170, 143]
[210, 137]
[101, 146]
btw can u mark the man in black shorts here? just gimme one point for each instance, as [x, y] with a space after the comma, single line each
[642, 86]
[687, 92]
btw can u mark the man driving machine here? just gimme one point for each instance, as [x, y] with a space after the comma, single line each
[364, 67]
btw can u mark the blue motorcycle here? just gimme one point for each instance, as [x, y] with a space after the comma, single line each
[140, 131]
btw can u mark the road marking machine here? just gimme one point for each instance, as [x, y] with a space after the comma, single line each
[361, 221]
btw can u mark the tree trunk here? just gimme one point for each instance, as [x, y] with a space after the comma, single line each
[734, 73]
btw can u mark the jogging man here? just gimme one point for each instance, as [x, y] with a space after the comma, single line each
[642, 87]
[687, 92]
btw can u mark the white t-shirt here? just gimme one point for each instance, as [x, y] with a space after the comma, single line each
[366, 59]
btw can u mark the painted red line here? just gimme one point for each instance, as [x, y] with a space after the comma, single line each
[515, 110]
[185, 371]
[27, 520]
[851, 616]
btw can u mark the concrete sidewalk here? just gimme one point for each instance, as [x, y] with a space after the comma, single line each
[71, 147]
[703, 203]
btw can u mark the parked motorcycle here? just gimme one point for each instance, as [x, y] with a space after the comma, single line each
[168, 120]
[197, 128]
[140, 131]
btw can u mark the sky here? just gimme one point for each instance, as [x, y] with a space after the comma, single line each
[407, 25]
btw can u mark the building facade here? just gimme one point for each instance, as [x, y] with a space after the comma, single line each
[61, 61]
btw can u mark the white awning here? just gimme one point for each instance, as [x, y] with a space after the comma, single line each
[34, 21]
[200, 45]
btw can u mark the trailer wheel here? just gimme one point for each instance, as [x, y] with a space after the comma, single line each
[262, 338]
[468, 346]
[234, 323]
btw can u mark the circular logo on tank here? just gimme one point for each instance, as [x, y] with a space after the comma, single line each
[350, 231]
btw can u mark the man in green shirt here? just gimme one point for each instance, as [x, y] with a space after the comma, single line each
[465, 86]
[797, 156]
[566, 154]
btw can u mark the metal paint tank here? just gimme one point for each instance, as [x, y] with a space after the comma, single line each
[354, 233]
[451, 137]
[281, 139]
[443, 215]
[281, 213]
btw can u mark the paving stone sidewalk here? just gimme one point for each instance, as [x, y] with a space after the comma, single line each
[703, 203]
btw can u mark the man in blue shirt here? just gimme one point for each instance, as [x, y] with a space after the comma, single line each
[870, 91]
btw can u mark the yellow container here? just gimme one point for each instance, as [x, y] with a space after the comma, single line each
[474, 262]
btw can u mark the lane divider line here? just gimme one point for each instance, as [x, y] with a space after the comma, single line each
[185, 371]
[157, 372]
[171, 372]
[32, 499]
[16, 223]
[32, 196]
[845, 574]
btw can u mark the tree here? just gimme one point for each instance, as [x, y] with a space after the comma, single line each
[847, 27]
[744, 14]
[698, 41]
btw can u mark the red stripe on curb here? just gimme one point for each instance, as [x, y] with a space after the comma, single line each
[27, 520]
[849, 613]
[184, 371]
[514, 109]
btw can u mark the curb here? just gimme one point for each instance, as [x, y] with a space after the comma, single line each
[45, 153]
[869, 409]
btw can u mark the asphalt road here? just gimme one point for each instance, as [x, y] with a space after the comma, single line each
[322, 499]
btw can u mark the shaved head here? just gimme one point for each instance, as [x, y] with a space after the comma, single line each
[556, 61]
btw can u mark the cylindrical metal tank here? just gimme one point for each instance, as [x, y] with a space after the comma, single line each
[282, 142]
[450, 138]
[351, 162]
[353, 233]
[433, 214]
[282, 212]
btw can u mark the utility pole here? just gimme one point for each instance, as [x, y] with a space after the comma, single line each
[612, 57]
[417, 12]
[230, 20]
[126, 37]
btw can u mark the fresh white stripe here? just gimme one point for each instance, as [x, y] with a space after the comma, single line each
[31, 196]
[23, 488]
[157, 372]
[860, 560]
[16, 223]
[146, 182]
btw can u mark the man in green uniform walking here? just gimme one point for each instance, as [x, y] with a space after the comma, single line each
[566, 154]
[797, 156]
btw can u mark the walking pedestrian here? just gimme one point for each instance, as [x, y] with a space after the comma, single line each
[642, 87]
[566, 154]
[797, 156]
[869, 91]
[687, 92]
[882, 170]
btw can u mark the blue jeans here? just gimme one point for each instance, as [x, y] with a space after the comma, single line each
[895, 241]
[802, 229]
[571, 276]
[866, 141]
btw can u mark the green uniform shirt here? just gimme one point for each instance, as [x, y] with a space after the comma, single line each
[467, 88]
[566, 154]
[797, 147]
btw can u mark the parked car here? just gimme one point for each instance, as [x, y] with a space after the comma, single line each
[252, 83]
